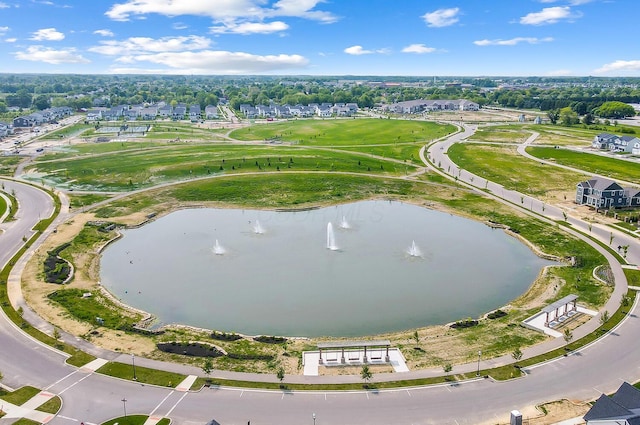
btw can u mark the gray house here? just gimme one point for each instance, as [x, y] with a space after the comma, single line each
[604, 193]
[623, 408]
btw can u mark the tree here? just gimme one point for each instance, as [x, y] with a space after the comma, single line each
[615, 109]
[568, 116]
[56, 333]
[604, 317]
[587, 119]
[207, 366]
[553, 116]
[416, 337]
[42, 102]
[567, 335]
[447, 368]
[280, 375]
[517, 355]
[366, 374]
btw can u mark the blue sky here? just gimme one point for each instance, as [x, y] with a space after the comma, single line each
[321, 37]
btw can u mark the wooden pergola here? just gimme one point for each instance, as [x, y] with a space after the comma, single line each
[351, 345]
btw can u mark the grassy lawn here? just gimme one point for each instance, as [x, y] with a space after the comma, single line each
[134, 420]
[514, 172]
[144, 375]
[84, 200]
[257, 191]
[118, 171]
[3, 206]
[20, 396]
[614, 168]
[354, 132]
[75, 130]
[501, 134]
[8, 164]
[51, 406]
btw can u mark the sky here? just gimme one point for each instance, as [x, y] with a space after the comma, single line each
[321, 37]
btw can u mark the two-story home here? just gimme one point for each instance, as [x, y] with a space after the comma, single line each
[211, 112]
[194, 113]
[604, 193]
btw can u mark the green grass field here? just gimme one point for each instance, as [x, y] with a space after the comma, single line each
[355, 132]
[501, 134]
[8, 164]
[616, 169]
[514, 172]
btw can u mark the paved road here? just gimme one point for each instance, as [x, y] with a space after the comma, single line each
[93, 398]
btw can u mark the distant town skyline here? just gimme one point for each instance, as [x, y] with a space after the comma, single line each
[321, 37]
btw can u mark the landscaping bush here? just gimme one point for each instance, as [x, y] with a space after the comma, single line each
[462, 324]
[496, 314]
[193, 349]
[270, 339]
[56, 270]
[223, 336]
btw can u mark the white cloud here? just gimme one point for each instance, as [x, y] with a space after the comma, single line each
[549, 15]
[223, 12]
[216, 62]
[104, 33]
[4, 5]
[47, 34]
[418, 48]
[52, 56]
[140, 45]
[441, 17]
[179, 26]
[10, 40]
[512, 41]
[4, 30]
[359, 50]
[251, 28]
[619, 67]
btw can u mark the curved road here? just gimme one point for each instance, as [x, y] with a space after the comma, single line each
[93, 398]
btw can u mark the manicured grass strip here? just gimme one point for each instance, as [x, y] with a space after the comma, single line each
[616, 169]
[134, 420]
[3, 206]
[51, 406]
[143, 374]
[21, 395]
[25, 421]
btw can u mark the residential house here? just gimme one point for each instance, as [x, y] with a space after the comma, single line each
[165, 111]
[629, 143]
[179, 112]
[211, 112]
[622, 408]
[149, 112]
[5, 129]
[195, 113]
[95, 114]
[604, 141]
[133, 113]
[603, 193]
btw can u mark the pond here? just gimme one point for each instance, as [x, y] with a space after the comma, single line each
[351, 270]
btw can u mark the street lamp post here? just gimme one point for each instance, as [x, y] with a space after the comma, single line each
[313, 415]
[124, 406]
[479, 354]
[133, 363]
